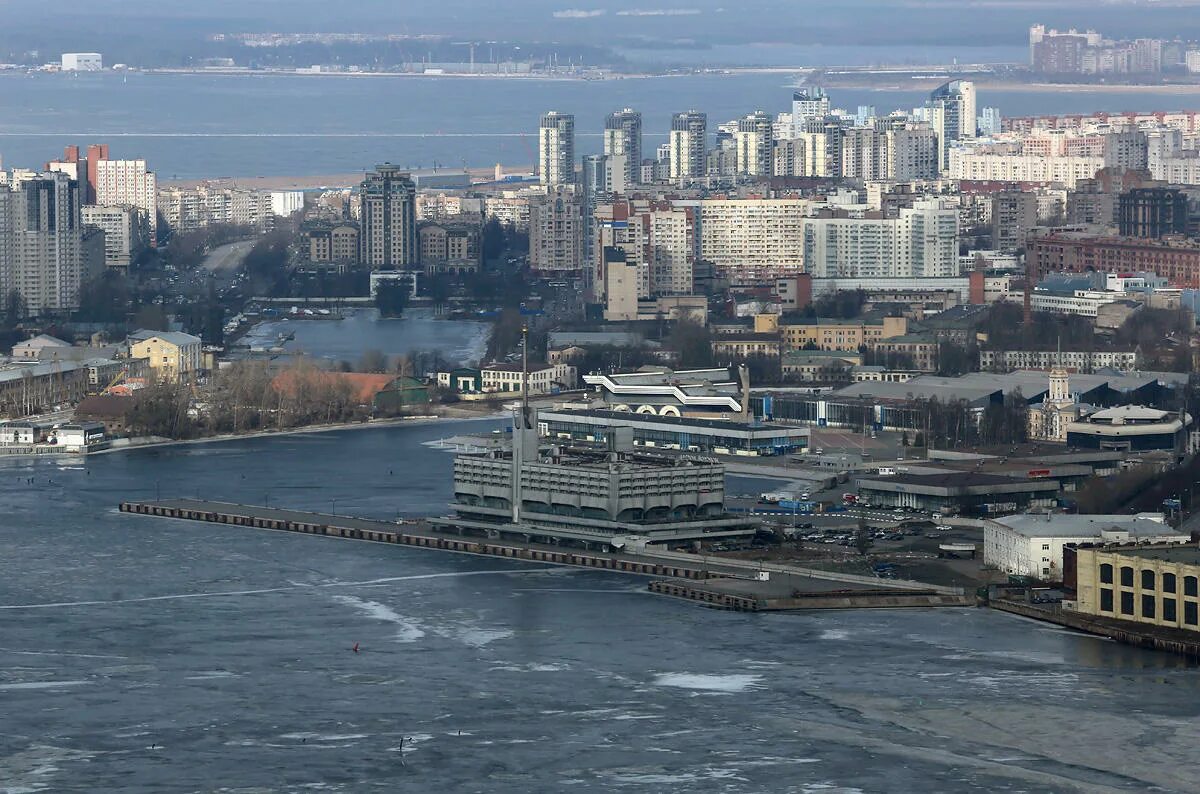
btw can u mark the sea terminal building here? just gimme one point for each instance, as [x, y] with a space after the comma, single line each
[686, 434]
[609, 497]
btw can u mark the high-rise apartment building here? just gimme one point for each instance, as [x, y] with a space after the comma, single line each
[809, 105]
[556, 232]
[556, 149]
[790, 157]
[921, 242]
[1014, 213]
[388, 237]
[49, 253]
[752, 238]
[656, 238]
[753, 141]
[127, 183]
[908, 151]
[122, 233]
[623, 138]
[1152, 212]
[952, 115]
[689, 145]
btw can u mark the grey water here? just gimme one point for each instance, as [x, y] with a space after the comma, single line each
[360, 330]
[147, 655]
[192, 126]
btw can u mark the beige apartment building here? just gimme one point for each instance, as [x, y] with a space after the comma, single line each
[830, 334]
[173, 357]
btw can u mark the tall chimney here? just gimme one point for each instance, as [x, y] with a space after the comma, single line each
[744, 375]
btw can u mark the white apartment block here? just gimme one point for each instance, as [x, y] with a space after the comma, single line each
[753, 141]
[128, 183]
[189, 209]
[1084, 361]
[556, 149]
[967, 164]
[753, 237]
[1081, 302]
[286, 202]
[922, 242]
[510, 208]
[122, 233]
[542, 379]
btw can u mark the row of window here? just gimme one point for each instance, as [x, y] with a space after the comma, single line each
[1150, 607]
[1191, 586]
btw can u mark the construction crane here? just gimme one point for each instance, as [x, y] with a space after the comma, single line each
[116, 381]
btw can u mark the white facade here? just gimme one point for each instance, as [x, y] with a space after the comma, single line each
[556, 149]
[753, 236]
[753, 141]
[1082, 302]
[1084, 361]
[967, 164]
[1032, 545]
[128, 183]
[286, 202]
[688, 145]
[542, 380]
[122, 233]
[922, 242]
[623, 143]
[82, 62]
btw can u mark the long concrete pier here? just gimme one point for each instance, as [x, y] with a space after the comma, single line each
[727, 584]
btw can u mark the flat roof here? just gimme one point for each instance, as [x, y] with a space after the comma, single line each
[1185, 554]
[675, 421]
[1064, 525]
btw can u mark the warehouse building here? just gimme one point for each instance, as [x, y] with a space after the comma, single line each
[1032, 545]
[687, 434]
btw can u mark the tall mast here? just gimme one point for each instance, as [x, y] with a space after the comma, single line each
[526, 424]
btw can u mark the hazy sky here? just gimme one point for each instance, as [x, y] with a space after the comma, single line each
[597, 22]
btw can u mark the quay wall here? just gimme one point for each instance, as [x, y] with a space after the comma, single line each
[849, 599]
[461, 545]
[1129, 635]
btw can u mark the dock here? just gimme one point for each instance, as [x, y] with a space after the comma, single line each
[719, 583]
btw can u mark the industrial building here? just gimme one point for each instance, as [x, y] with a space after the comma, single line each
[1154, 585]
[963, 492]
[1032, 545]
[687, 434]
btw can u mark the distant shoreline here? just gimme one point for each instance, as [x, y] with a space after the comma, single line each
[296, 431]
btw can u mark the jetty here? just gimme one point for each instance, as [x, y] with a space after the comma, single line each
[712, 581]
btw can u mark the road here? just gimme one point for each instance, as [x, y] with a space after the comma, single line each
[227, 257]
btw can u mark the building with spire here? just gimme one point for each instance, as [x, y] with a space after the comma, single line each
[1049, 419]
